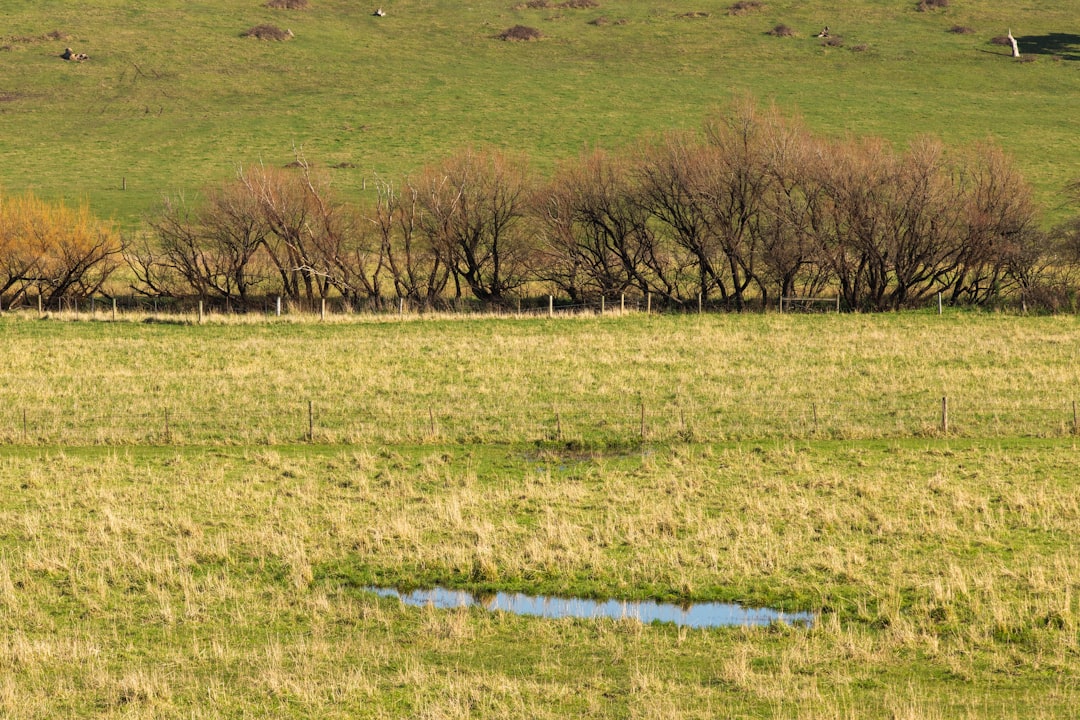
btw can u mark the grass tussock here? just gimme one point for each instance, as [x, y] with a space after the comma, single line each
[782, 30]
[267, 32]
[931, 5]
[961, 30]
[694, 14]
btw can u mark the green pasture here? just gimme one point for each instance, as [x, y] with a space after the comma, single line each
[218, 568]
[173, 98]
[229, 582]
[587, 381]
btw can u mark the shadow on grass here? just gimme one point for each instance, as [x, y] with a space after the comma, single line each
[1063, 45]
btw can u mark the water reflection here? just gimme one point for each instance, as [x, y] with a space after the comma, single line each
[698, 615]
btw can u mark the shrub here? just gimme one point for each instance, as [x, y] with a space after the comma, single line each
[781, 30]
[745, 7]
[267, 32]
[520, 33]
[961, 30]
[288, 4]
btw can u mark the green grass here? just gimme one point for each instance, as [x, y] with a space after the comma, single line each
[220, 571]
[207, 582]
[172, 98]
[707, 377]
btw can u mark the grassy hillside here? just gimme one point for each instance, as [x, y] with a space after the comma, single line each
[172, 97]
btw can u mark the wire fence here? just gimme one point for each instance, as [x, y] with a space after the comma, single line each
[326, 421]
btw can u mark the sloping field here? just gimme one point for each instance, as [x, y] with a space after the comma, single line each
[172, 97]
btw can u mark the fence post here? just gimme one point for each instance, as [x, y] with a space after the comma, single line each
[322, 309]
[939, 302]
[200, 312]
[648, 303]
[699, 303]
[945, 414]
[278, 309]
[40, 312]
[114, 309]
[622, 304]
[551, 306]
[601, 304]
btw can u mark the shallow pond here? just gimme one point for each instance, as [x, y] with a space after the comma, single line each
[697, 615]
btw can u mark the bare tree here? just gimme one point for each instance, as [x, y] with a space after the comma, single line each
[473, 206]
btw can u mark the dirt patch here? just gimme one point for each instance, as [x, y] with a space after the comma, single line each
[520, 33]
[781, 30]
[548, 5]
[746, 7]
[961, 30]
[267, 32]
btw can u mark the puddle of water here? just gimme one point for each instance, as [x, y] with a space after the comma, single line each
[699, 615]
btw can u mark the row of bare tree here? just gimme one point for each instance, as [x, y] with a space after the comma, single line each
[752, 207]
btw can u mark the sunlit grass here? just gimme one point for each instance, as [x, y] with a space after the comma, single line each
[586, 379]
[213, 583]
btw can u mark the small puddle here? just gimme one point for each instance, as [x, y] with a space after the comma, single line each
[698, 615]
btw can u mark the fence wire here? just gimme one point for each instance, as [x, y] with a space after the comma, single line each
[329, 421]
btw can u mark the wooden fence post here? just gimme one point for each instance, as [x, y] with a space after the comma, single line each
[601, 304]
[945, 414]
[642, 419]
[278, 309]
[648, 303]
[551, 306]
[114, 309]
[622, 303]
[40, 312]
[322, 309]
[200, 312]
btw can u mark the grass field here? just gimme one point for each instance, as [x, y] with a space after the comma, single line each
[707, 377]
[224, 575]
[173, 98]
[226, 583]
